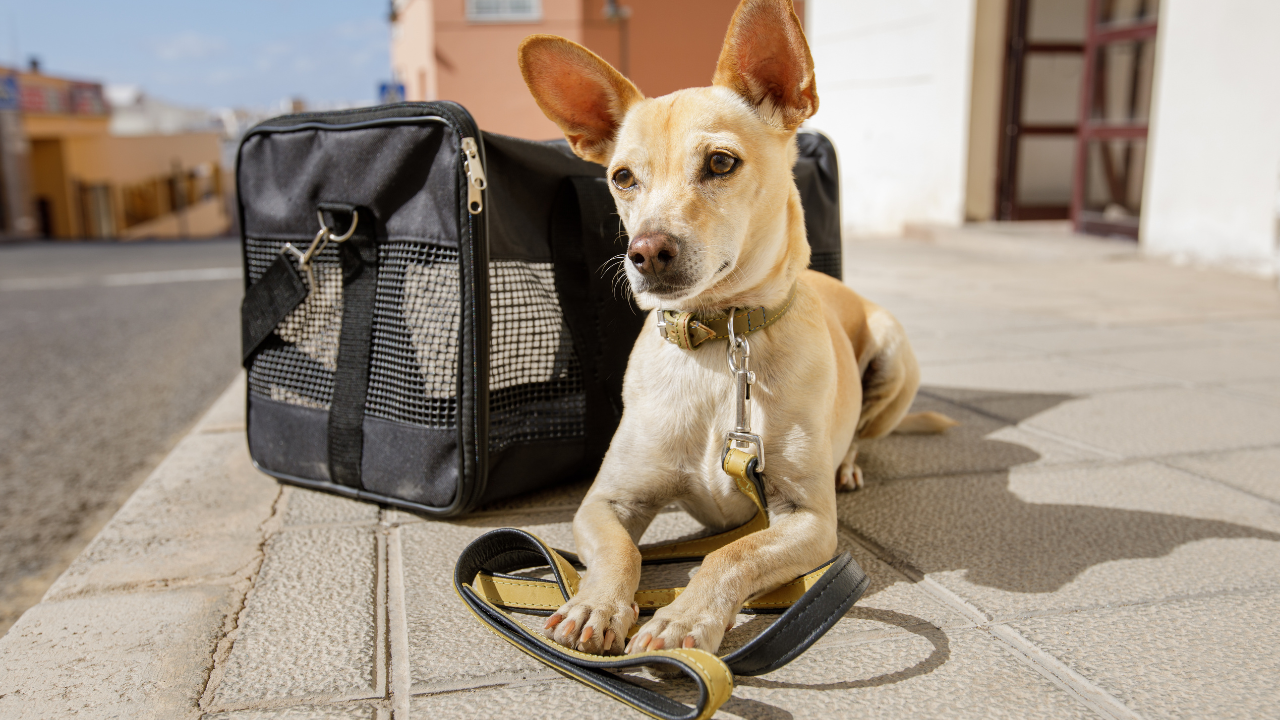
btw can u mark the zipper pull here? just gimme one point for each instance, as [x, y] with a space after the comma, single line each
[475, 176]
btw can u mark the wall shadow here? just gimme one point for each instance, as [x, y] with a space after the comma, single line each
[955, 511]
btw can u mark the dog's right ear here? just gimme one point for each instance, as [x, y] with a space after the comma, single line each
[578, 91]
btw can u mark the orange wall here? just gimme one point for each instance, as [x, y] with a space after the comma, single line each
[476, 65]
[673, 44]
[413, 49]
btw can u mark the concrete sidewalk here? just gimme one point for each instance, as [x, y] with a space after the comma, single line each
[1100, 536]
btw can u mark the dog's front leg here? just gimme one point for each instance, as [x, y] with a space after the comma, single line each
[597, 618]
[794, 544]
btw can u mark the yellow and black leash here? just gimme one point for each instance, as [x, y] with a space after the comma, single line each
[809, 606]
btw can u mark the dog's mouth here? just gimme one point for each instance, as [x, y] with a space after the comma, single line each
[676, 286]
[662, 288]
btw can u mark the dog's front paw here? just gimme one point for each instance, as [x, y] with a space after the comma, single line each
[593, 625]
[673, 628]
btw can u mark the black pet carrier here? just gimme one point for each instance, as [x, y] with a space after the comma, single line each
[429, 318]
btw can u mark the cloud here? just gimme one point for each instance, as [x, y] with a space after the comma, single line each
[189, 46]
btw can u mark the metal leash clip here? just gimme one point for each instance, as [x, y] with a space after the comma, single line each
[741, 436]
[321, 241]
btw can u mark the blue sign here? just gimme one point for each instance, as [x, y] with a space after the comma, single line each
[9, 97]
[392, 92]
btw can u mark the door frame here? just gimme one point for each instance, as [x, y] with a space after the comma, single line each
[1097, 36]
[1012, 129]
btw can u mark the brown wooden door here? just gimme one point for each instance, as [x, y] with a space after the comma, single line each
[1044, 63]
[1115, 105]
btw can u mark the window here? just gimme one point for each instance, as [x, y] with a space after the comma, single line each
[504, 10]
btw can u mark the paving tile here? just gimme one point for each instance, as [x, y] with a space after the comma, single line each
[1073, 340]
[955, 320]
[1247, 330]
[197, 516]
[1036, 539]
[1035, 376]
[1256, 470]
[980, 443]
[308, 507]
[1268, 390]
[525, 699]
[1202, 657]
[934, 350]
[932, 673]
[1198, 364]
[302, 712]
[143, 655]
[447, 646]
[227, 412]
[1163, 421]
[308, 628]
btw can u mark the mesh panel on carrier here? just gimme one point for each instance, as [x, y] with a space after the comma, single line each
[535, 380]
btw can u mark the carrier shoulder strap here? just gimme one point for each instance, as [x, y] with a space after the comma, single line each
[359, 258]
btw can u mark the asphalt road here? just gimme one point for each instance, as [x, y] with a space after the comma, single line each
[109, 353]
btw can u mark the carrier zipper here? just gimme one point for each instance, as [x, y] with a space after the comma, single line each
[475, 176]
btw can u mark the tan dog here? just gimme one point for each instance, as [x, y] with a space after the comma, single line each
[703, 183]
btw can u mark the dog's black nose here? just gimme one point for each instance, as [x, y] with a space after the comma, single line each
[652, 253]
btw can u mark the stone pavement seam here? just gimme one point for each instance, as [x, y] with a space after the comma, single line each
[398, 626]
[1163, 461]
[1056, 612]
[231, 623]
[1057, 672]
[508, 680]
[382, 644]
[1044, 664]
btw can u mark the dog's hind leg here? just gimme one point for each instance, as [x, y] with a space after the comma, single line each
[849, 475]
[890, 379]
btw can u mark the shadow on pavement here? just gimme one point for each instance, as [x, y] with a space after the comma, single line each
[943, 503]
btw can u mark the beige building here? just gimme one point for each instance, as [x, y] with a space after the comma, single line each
[83, 182]
[1151, 119]
[465, 50]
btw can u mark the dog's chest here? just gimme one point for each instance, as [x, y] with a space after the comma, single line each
[686, 401]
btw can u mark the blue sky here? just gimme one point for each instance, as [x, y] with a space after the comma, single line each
[232, 53]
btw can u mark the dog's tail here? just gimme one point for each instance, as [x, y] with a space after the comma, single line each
[924, 423]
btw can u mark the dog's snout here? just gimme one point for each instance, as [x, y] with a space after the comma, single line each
[652, 253]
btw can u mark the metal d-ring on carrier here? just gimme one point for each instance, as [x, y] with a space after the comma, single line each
[321, 241]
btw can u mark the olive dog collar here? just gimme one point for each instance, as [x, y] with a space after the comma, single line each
[688, 330]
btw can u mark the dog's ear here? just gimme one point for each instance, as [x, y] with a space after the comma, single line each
[578, 91]
[766, 60]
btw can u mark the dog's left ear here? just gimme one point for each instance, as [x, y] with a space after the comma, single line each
[766, 60]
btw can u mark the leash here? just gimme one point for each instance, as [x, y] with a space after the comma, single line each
[809, 605]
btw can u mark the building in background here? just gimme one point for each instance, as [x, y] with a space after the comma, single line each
[1152, 119]
[66, 174]
[465, 50]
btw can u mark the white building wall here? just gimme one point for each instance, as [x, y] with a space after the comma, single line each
[1214, 163]
[893, 86]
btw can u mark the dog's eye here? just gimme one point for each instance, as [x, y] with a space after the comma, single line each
[721, 163]
[623, 179]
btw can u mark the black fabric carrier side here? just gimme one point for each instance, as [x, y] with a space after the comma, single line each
[443, 359]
